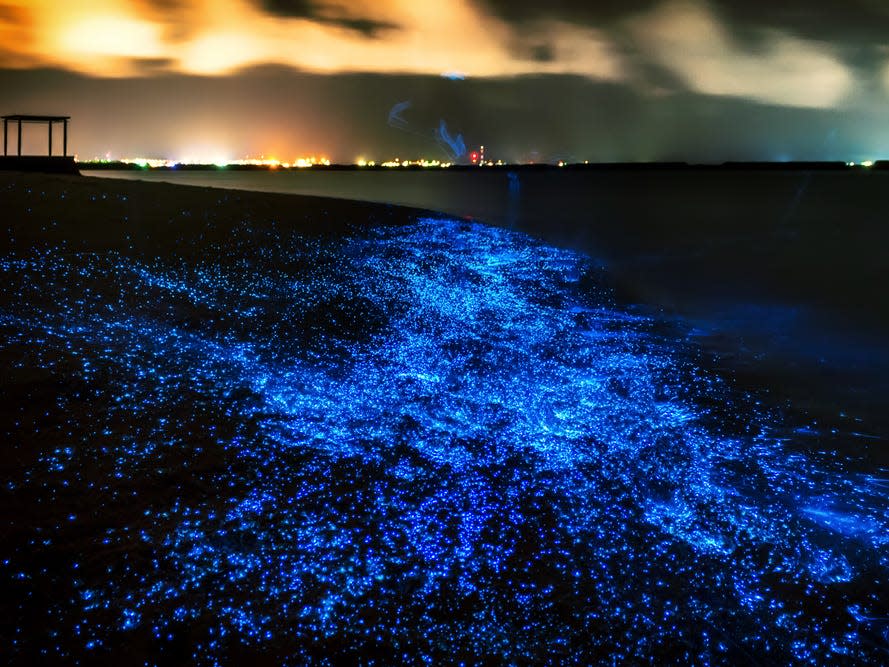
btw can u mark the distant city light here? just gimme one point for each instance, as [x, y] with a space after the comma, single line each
[475, 158]
[271, 163]
[422, 162]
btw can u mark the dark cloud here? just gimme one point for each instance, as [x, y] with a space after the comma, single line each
[293, 8]
[13, 15]
[845, 22]
[18, 19]
[537, 49]
[152, 65]
[367, 27]
[315, 11]
[655, 77]
[848, 24]
[857, 31]
[517, 118]
[165, 5]
[593, 12]
[543, 53]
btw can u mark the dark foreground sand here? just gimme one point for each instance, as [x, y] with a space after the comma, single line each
[94, 215]
[249, 428]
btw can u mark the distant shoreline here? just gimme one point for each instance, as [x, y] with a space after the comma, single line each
[595, 167]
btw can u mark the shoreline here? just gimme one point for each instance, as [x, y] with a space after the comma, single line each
[731, 166]
[806, 249]
[767, 348]
[686, 239]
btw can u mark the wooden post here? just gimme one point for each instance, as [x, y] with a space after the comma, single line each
[65, 139]
[20, 138]
[4, 137]
[50, 138]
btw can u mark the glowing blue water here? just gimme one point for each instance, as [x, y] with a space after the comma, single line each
[436, 442]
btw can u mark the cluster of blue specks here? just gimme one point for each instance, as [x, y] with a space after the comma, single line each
[431, 443]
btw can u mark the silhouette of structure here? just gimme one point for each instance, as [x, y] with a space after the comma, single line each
[49, 120]
[49, 162]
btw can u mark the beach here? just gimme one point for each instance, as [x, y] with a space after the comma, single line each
[271, 427]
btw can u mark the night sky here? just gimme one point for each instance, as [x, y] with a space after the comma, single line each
[696, 80]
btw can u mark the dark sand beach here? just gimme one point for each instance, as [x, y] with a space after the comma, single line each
[280, 429]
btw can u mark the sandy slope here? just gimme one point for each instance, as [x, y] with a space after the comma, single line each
[91, 214]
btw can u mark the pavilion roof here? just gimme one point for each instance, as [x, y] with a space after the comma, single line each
[36, 119]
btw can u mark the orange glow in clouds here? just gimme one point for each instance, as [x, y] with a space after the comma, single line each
[218, 37]
[110, 37]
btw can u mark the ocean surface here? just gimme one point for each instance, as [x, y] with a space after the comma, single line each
[437, 442]
[694, 240]
[781, 273]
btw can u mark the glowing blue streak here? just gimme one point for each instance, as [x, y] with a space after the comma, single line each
[430, 416]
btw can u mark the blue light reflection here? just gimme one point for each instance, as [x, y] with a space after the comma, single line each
[437, 442]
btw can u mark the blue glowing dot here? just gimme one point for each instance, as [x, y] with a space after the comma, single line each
[434, 442]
